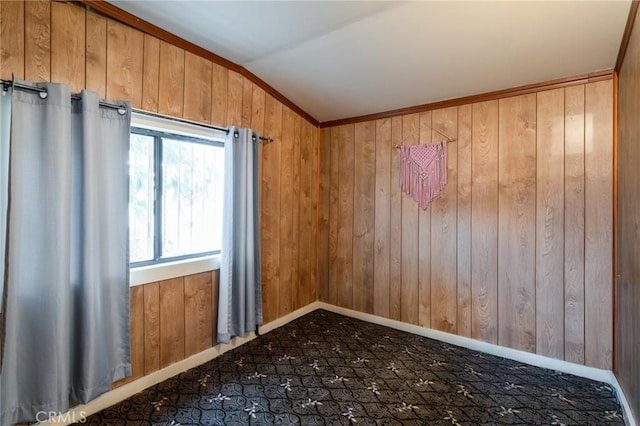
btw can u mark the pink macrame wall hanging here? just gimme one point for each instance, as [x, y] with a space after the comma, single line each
[423, 172]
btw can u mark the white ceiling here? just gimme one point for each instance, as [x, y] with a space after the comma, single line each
[338, 59]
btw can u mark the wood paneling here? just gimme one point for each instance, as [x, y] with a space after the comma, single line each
[150, 73]
[598, 221]
[500, 255]
[549, 286]
[627, 302]
[324, 183]
[12, 29]
[198, 318]
[197, 88]
[219, 95]
[172, 320]
[363, 217]
[171, 80]
[484, 222]
[247, 99]
[37, 41]
[345, 213]
[307, 286]
[234, 103]
[68, 45]
[151, 327]
[96, 54]
[124, 63]
[136, 315]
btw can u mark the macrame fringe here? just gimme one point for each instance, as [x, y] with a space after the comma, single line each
[423, 184]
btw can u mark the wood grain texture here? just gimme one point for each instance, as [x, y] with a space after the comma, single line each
[484, 219]
[96, 54]
[549, 287]
[68, 45]
[125, 54]
[37, 41]
[363, 217]
[424, 240]
[257, 110]
[334, 140]
[12, 29]
[289, 173]
[346, 163]
[151, 294]
[574, 225]
[409, 283]
[198, 313]
[464, 221]
[444, 314]
[270, 211]
[247, 98]
[136, 315]
[598, 224]
[382, 217]
[219, 95]
[234, 105]
[395, 242]
[197, 88]
[171, 80]
[304, 227]
[172, 320]
[215, 282]
[516, 215]
[313, 133]
[150, 73]
[324, 186]
[627, 302]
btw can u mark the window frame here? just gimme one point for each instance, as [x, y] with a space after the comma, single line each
[158, 134]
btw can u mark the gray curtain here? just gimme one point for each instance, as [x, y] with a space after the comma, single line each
[240, 297]
[66, 332]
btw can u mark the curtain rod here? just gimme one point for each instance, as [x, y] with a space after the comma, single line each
[121, 110]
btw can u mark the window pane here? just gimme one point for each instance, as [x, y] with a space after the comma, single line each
[192, 176]
[141, 188]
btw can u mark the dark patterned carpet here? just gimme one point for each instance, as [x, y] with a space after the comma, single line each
[328, 369]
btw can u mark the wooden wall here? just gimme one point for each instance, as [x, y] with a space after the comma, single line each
[627, 348]
[62, 42]
[516, 251]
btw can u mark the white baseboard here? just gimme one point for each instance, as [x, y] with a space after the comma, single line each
[80, 412]
[125, 391]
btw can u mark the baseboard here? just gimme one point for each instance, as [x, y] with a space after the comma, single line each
[80, 412]
[626, 408]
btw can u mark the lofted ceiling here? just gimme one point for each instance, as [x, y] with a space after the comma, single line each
[339, 59]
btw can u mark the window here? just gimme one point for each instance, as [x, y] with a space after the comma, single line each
[175, 197]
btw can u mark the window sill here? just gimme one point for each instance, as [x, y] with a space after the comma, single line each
[166, 271]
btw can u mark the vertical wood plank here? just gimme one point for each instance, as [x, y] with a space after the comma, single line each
[37, 41]
[215, 283]
[574, 225]
[96, 53]
[234, 106]
[68, 45]
[598, 224]
[137, 332]
[219, 95]
[484, 219]
[324, 183]
[464, 220]
[270, 211]
[516, 234]
[410, 232]
[424, 241]
[198, 313]
[364, 220]
[257, 110]
[197, 88]
[307, 214]
[247, 98]
[314, 136]
[289, 170]
[171, 80]
[334, 218]
[549, 289]
[12, 47]
[395, 243]
[125, 54]
[382, 218]
[172, 331]
[151, 294]
[150, 73]
[444, 314]
[345, 212]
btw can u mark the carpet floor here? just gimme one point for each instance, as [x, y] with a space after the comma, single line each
[328, 369]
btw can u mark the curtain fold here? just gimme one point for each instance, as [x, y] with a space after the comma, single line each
[66, 334]
[240, 292]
